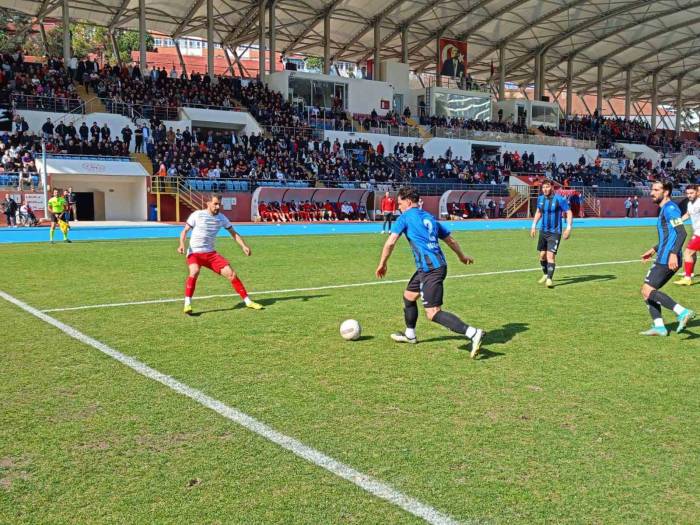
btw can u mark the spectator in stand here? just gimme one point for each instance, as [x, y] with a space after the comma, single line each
[138, 139]
[27, 216]
[10, 209]
[346, 211]
[126, 135]
[47, 129]
[388, 208]
[25, 180]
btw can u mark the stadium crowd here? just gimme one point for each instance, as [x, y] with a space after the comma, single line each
[37, 86]
[289, 151]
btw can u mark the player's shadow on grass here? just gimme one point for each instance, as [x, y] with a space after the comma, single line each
[583, 279]
[687, 334]
[500, 336]
[267, 301]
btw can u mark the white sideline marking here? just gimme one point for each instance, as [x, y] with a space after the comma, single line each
[365, 482]
[328, 287]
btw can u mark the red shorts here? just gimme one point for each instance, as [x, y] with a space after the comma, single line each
[211, 260]
[694, 244]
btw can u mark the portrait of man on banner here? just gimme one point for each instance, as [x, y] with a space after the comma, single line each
[453, 58]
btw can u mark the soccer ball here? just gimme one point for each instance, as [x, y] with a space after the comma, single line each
[350, 330]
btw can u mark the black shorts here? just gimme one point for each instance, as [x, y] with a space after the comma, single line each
[658, 275]
[548, 242]
[429, 285]
[55, 217]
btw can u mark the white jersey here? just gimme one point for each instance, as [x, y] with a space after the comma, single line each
[694, 212]
[205, 228]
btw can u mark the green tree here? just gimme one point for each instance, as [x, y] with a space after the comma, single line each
[128, 41]
[11, 40]
[314, 63]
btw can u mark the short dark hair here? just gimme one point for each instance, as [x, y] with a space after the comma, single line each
[692, 187]
[408, 193]
[667, 185]
[214, 196]
[547, 181]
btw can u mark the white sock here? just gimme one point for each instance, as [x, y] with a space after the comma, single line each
[659, 323]
[471, 332]
[678, 309]
[410, 333]
[247, 300]
[188, 301]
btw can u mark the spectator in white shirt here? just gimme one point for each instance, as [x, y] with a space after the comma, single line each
[346, 211]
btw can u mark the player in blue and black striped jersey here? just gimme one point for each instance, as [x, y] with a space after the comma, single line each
[550, 208]
[424, 234]
[672, 235]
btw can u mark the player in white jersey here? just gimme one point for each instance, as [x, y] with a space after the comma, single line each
[205, 225]
[693, 247]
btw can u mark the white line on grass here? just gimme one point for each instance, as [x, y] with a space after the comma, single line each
[327, 287]
[365, 482]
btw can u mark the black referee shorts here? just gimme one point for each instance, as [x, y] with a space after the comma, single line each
[548, 242]
[658, 275]
[429, 285]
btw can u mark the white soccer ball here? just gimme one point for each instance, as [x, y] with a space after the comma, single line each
[350, 330]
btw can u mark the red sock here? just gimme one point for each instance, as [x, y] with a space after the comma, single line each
[688, 265]
[238, 286]
[190, 285]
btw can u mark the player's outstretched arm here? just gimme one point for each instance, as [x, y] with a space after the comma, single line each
[236, 237]
[386, 253]
[569, 223]
[535, 220]
[649, 254]
[455, 247]
[183, 239]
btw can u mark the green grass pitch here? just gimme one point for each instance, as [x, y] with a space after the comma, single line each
[568, 417]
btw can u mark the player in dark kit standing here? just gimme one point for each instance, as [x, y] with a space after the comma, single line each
[672, 235]
[550, 208]
[423, 233]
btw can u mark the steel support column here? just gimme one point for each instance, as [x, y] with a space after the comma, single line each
[502, 72]
[679, 104]
[210, 38]
[404, 45]
[261, 40]
[376, 74]
[66, 32]
[569, 86]
[599, 90]
[628, 93]
[272, 17]
[142, 36]
[543, 74]
[180, 57]
[538, 78]
[115, 48]
[654, 99]
[438, 60]
[327, 43]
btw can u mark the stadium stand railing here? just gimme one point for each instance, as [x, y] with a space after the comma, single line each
[11, 180]
[49, 104]
[544, 140]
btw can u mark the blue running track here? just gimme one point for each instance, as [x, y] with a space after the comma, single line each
[167, 231]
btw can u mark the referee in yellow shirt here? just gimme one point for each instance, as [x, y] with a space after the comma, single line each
[57, 207]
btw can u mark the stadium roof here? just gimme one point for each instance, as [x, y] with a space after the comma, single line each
[644, 35]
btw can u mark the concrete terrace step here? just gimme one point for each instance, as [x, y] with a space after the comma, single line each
[92, 104]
